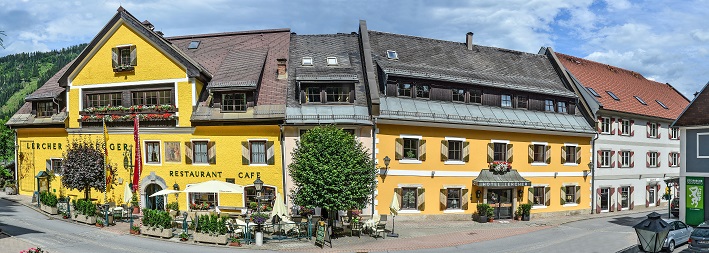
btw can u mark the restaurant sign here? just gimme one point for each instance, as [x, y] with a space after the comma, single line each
[503, 184]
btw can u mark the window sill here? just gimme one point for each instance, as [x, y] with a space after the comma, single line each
[454, 211]
[454, 163]
[570, 205]
[153, 164]
[258, 164]
[409, 211]
[539, 207]
[571, 164]
[201, 164]
[410, 161]
[539, 164]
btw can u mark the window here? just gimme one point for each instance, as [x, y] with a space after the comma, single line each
[606, 125]
[625, 197]
[640, 100]
[392, 55]
[652, 159]
[674, 159]
[193, 44]
[200, 152]
[540, 153]
[561, 107]
[312, 95]
[522, 102]
[268, 195]
[56, 164]
[338, 94]
[506, 101]
[651, 195]
[500, 152]
[455, 150]
[234, 102]
[258, 152]
[152, 151]
[625, 159]
[605, 158]
[549, 105]
[539, 196]
[476, 96]
[104, 99]
[45, 109]
[157, 97]
[307, 61]
[605, 201]
[453, 198]
[662, 104]
[331, 60]
[570, 194]
[625, 127]
[674, 133]
[199, 198]
[458, 95]
[124, 53]
[570, 154]
[423, 91]
[404, 90]
[409, 198]
[593, 92]
[613, 95]
[653, 130]
[411, 148]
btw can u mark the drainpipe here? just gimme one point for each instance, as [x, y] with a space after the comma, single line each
[17, 171]
[374, 156]
[593, 173]
[283, 164]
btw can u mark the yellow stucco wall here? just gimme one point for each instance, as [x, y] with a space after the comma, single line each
[403, 174]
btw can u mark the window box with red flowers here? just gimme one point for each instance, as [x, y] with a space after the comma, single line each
[120, 110]
[129, 117]
[500, 167]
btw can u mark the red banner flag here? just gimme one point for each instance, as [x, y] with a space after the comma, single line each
[138, 165]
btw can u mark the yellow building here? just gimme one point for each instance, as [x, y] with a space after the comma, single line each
[200, 99]
[453, 117]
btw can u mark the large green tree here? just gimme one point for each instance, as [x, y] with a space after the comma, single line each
[83, 167]
[332, 170]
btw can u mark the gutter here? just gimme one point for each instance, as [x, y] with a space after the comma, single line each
[281, 139]
[593, 173]
[374, 156]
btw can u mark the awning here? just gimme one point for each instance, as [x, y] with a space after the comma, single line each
[42, 174]
[511, 178]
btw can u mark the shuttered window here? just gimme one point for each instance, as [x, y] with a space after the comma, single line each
[500, 152]
[455, 150]
[539, 196]
[411, 148]
[453, 198]
[258, 152]
[409, 199]
[570, 192]
[570, 154]
[200, 152]
[539, 153]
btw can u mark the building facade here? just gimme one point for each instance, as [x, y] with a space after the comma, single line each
[694, 147]
[635, 150]
[453, 117]
[200, 99]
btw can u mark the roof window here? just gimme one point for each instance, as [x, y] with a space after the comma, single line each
[307, 61]
[392, 55]
[640, 100]
[593, 92]
[193, 44]
[662, 104]
[613, 95]
[331, 60]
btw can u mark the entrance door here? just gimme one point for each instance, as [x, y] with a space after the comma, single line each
[157, 202]
[605, 201]
[501, 201]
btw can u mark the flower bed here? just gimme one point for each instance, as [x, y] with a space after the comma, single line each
[48, 209]
[211, 229]
[208, 238]
[84, 219]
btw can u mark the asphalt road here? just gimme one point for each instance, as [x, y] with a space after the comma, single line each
[57, 236]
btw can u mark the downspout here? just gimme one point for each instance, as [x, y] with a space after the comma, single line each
[374, 156]
[17, 171]
[593, 172]
[283, 164]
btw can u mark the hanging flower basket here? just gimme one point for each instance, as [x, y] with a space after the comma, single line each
[500, 167]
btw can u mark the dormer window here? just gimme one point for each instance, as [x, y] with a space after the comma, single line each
[124, 58]
[640, 100]
[307, 61]
[193, 44]
[234, 102]
[392, 55]
[331, 61]
[45, 109]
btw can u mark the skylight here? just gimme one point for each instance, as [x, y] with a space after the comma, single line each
[307, 61]
[662, 104]
[640, 100]
[613, 95]
[392, 55]
[331, 60]
[193, 44]
[593, 92]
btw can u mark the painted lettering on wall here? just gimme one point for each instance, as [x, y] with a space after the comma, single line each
[249, 174]
[47, 145]
[187, 173]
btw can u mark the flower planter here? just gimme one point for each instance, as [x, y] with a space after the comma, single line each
[10, 191]
[84, 219]
[136, 210]
[235, 244]
[48, 209]
[134, 232]
[201, 237]
[525, 217]
[482, 219]
[157, 232]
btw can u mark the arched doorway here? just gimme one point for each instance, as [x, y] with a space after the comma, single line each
[157, 202]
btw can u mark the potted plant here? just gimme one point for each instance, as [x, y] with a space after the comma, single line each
[234, 241]
[134, 230]
[135, 204]
[490, 214]
[211, 228]
[518, 213]
[48, 202]
[184, 236]
[526, 209]
[84, 211]
[99, 222]
[482, 212]
[157, 223]
[259, 219]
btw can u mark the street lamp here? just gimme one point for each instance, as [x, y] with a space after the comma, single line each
[652, 232]
[176, 187]
[258, 185]
[387, 160]
[128, 165]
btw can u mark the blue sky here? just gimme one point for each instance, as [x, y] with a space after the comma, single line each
[663, 40]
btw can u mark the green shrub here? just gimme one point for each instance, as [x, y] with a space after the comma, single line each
[48, 198]
[211, 224]
[173, 206]
[84, 207]
[526, 208]
[482, 209]
[156, 218]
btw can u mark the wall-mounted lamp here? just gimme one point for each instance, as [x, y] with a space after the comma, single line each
[387, 160]
[590, 165]
[477, 194]
[520, 193]
[176, 187]
[433, 172]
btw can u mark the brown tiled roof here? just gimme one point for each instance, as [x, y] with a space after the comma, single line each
[214, 49]
[697, 113]
[23, 115]
[625, 84]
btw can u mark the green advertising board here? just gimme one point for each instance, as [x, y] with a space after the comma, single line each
[694, 199]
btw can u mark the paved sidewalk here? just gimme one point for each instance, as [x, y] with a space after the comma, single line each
[413, 233]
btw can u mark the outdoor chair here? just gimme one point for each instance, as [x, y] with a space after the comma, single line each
[300, 226]
[380, 228]
[356, 226]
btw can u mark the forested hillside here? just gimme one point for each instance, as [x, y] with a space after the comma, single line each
[23, 73]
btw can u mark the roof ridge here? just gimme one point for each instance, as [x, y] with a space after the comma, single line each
[327, 35]
[205, 35]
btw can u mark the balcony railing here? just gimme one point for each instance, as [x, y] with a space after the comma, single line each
[135, 109]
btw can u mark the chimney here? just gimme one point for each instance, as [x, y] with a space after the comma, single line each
[282, 71]
[147, 24]
[469, 40]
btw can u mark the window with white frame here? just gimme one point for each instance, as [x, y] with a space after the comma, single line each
[674, 159]
[455, 150]
[606, 125]
[57, 164]
[453, 198]
[605, 158]
[500, 152]
[411, 148]
[409, 198]
[549, 105]
[152, 152]
[653, 130]
[625, 159]
[625, 197]
[570, 154]
[561, 107]
[674, 133]
[331, 60]
[540, 153]
[652, 159]
[539, 196]
[258, 152]
[625, 127]
[200, 152]
[570, 194]
[506, 101]
[651, 195]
